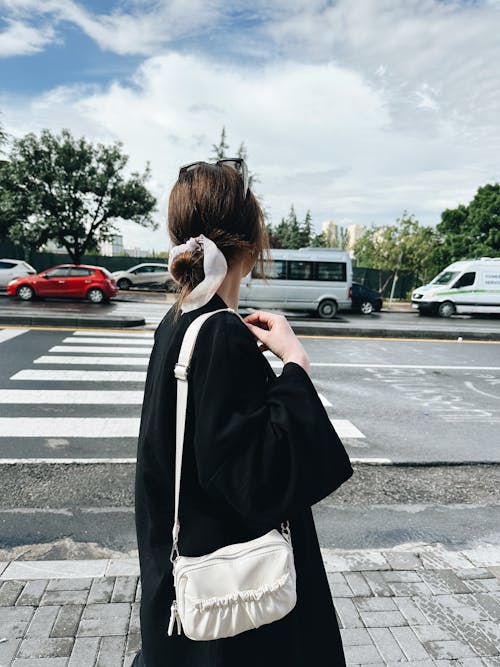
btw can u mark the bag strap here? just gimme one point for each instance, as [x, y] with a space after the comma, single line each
[181, 373]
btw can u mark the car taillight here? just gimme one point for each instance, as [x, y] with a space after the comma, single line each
[350, 292]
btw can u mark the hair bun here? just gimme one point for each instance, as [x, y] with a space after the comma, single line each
[186, 267]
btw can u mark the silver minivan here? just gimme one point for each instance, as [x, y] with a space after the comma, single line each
[317, 280]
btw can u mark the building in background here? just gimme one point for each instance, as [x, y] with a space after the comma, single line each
[340, 236]
[329, 229]
[52, 246]
[138, 252]
[113, 247]
[354, 233]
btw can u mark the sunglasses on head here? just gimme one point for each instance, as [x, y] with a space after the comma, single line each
[236, 163]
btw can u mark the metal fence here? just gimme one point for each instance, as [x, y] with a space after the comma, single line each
[382, 280]
[376, 279]
[44, 260]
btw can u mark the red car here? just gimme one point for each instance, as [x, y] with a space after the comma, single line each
[79, 281]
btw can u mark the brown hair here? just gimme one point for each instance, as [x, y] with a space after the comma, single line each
[209, 200]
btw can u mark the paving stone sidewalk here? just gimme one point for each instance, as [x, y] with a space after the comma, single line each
[412, 607]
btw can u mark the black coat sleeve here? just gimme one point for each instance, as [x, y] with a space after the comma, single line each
[264, 445]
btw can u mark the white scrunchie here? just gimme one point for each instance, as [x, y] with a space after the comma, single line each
[214, 267]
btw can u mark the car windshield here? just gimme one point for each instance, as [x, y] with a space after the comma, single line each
[445, 278]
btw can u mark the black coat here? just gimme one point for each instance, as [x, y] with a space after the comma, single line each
[259, 449]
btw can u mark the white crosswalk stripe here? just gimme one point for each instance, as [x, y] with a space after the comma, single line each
[96, 427]
[101, 349]
[93, 361]
[70, 397]
[97, 349]
[79, 376]
[109, 341]
[8, 334]
[324, 400]
[346, 429]
[67, 427]
[114, 334]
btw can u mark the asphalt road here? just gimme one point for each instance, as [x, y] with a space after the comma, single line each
[78, 394]
[152, 306]
[75, 511]
[420, 402]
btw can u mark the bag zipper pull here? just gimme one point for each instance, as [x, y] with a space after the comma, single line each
[173, 616]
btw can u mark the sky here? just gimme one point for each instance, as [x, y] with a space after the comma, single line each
[354, 109]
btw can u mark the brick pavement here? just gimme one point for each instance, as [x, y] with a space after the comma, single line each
[416, 606]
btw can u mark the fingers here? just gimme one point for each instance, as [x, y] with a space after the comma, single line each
[263, 319]
[257, 331]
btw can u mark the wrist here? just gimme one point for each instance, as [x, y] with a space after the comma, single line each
[301, 359]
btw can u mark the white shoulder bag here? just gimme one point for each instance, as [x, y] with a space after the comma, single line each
[237, 587]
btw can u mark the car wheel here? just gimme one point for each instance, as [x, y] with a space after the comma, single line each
[327, 309]
[366, 307]
[124, 283]
[446, 309]
[95, 295]
[25, 292]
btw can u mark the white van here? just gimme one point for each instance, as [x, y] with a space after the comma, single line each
[469, 286]
[318, 280]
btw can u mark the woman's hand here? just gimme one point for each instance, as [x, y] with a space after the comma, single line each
[275, 334]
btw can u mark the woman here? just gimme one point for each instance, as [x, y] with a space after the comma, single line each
[258, 449]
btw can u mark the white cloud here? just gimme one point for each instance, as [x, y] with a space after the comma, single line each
[20, 39]
[451, 47]
[144, 29]
[363, 109]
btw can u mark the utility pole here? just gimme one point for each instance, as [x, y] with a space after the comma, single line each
[395, 278]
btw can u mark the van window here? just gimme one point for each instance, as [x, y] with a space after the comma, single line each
[299, 270]
[275, 270]
[465, 280]
[444, 278]
[334, 271]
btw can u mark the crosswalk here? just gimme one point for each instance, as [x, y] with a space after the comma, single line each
[53, 388]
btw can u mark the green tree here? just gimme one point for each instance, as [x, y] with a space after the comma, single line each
[290, 233]
[336, 238]
[473, 230]
[3, 138]
[289, 230]
[305, 230]
[71, 191]
[318, 241]
[5, 218]
[405, 246]
[219, 150]
[274, 240]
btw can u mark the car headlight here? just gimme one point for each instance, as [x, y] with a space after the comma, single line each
[417, 295]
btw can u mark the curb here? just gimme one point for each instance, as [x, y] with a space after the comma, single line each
[354, 461]
[332, 330]
[299, 328]
[431, 556]
[77, 321]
